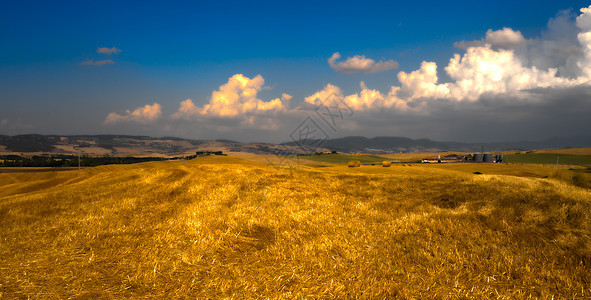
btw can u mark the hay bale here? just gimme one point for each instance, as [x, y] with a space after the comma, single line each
[386, 163]
[354, 163]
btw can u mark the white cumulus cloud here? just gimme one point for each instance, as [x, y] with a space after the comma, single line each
[144, 115]
[505, 38]
[584, 23]
[422, 83]
[367, 99]
[484, 70]
[359, 63]
[237, 97]
[495, 65]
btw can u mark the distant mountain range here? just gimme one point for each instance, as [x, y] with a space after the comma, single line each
[381, 145]
[126, 145]
[121, 145]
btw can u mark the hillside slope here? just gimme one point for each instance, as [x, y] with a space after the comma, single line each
[223, 227]
[384, 145]
[126, 145]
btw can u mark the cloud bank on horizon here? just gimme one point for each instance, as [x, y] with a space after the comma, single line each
[504, 76]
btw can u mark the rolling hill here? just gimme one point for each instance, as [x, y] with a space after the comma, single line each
[125, 145]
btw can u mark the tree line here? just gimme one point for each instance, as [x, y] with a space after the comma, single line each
[64, 161]
[67, 160]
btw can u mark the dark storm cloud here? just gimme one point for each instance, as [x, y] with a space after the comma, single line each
[537, 114]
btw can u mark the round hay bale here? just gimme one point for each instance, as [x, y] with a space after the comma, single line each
[386, 163]
[354, 163]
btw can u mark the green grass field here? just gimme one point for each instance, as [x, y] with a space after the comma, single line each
[525, 158]
[548, 158]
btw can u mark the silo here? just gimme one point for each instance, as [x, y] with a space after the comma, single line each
[478, 157]
[488, 157]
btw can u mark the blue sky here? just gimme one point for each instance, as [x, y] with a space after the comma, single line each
[171, 52]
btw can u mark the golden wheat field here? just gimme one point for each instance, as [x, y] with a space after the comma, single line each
[223, 227]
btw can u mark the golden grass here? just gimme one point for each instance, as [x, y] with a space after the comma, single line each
[222, 227]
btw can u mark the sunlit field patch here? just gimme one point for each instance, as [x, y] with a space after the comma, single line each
[223, 227]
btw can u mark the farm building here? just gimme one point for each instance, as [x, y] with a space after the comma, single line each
[477, 157]
[487, 157]
[439, 159]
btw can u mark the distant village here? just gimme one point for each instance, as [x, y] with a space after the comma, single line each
[477, 157]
